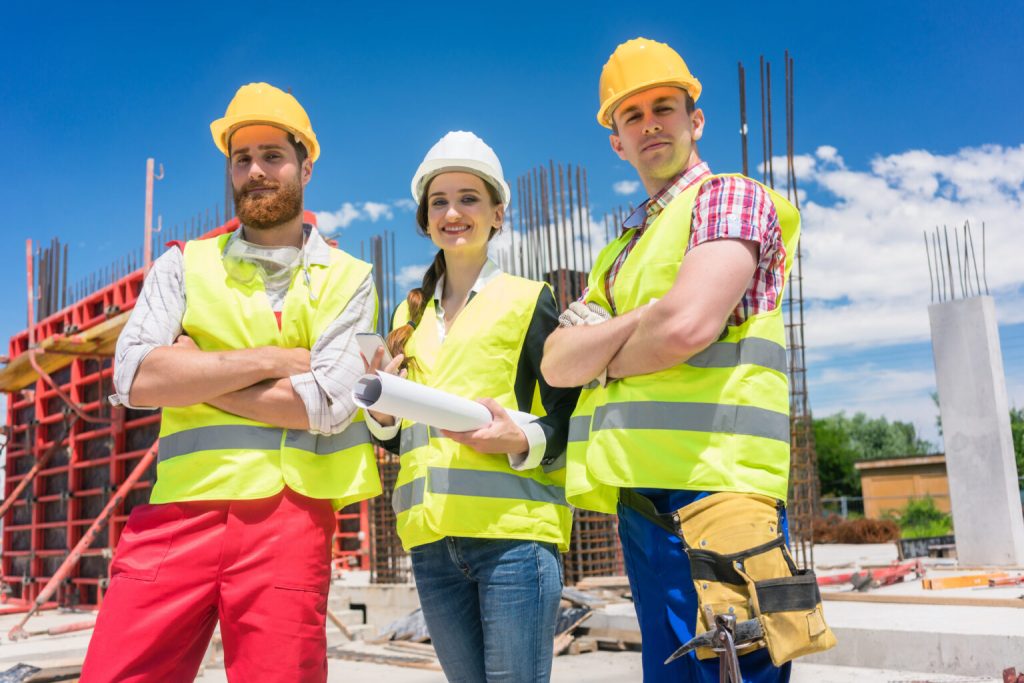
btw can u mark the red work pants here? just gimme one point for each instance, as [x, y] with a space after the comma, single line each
[262, 567]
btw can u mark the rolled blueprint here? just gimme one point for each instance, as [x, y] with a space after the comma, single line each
[392, 395]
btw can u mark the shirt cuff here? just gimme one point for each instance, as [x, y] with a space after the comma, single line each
[317, 409]
[379, 431]
[538, 444]
[124, 376]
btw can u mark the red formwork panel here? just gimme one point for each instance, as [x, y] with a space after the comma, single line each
[351, 547]
[56, 510]
[67, 496]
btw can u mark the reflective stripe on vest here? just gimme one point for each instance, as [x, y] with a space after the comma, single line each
[579, 428]
[327, 444]
[693, 417]
[408, 495]
[453, 482]
[416, 436]
[749, 351]
[219, 437]
[253, 437]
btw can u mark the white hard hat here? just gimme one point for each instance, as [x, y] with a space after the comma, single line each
[461, 150]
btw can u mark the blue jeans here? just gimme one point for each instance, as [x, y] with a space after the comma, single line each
[666, 600]
[490, 606]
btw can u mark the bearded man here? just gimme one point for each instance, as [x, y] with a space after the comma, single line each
[247, 342]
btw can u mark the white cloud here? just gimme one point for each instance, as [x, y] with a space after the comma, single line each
[330, 221]
[411, 276]
[405, 204]
[375, 211]
[865, 268]
[626, 187]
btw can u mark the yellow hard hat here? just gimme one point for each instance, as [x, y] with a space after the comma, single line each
[257, 103]
[637, 65]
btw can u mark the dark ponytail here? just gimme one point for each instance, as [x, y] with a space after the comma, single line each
[416, 301]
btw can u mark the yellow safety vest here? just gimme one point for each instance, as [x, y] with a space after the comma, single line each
[446, 489]
[208, 454]
[718, 422]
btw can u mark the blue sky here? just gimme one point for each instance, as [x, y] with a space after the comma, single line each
[909, 97]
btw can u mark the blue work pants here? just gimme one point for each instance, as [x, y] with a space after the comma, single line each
[666, 600]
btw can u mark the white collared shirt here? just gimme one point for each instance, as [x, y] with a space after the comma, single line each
[534, 434]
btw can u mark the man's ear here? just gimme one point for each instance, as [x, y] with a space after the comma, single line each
[697, 122]
[616, 144]
[307, 171]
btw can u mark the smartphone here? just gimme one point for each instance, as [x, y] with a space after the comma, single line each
[369, 342]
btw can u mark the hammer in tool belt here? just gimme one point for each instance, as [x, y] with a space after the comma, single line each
[727, 636]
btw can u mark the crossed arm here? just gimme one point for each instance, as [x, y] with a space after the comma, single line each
[291, 388]
[251, 383]
[665, 333]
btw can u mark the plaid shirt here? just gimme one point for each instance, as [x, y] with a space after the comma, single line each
[725, 208]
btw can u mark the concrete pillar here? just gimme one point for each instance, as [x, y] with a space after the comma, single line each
[983, 485]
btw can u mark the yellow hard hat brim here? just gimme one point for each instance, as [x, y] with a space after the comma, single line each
[604, 114]
[222, 128]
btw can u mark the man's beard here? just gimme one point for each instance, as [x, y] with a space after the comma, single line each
[268, 210]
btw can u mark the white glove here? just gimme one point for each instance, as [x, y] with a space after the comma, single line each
[579, 313]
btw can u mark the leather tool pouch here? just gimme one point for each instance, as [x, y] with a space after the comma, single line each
[741, 566]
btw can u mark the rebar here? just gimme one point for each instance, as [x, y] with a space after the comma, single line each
[931, 281]
[764, 130]
[743, 116]
[768, 81]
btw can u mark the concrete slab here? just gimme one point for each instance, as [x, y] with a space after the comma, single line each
[956, 640]
[597, 667]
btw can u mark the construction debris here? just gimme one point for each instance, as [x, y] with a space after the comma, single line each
[962, 581]
[875, 578]
[378, 654]
[27, 673]
[412, 627]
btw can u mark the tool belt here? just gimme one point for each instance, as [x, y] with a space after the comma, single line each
[741, 567]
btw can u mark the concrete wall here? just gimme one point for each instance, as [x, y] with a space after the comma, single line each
[982, 471]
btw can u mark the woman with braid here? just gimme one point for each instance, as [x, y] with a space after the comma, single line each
[483, 513]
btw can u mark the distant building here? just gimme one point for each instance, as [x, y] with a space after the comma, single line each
[887, 485]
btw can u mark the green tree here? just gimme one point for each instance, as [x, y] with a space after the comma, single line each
[1017, 432]
[840, 441]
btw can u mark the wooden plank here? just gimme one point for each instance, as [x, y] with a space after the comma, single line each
[594, 582]
[57, 352]
[626, 636]
[384, 658]
[961, 581]
[423, 648]
[581, 645]
[339, 623]
[565, 638]
[52, 674]
[921, 599]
